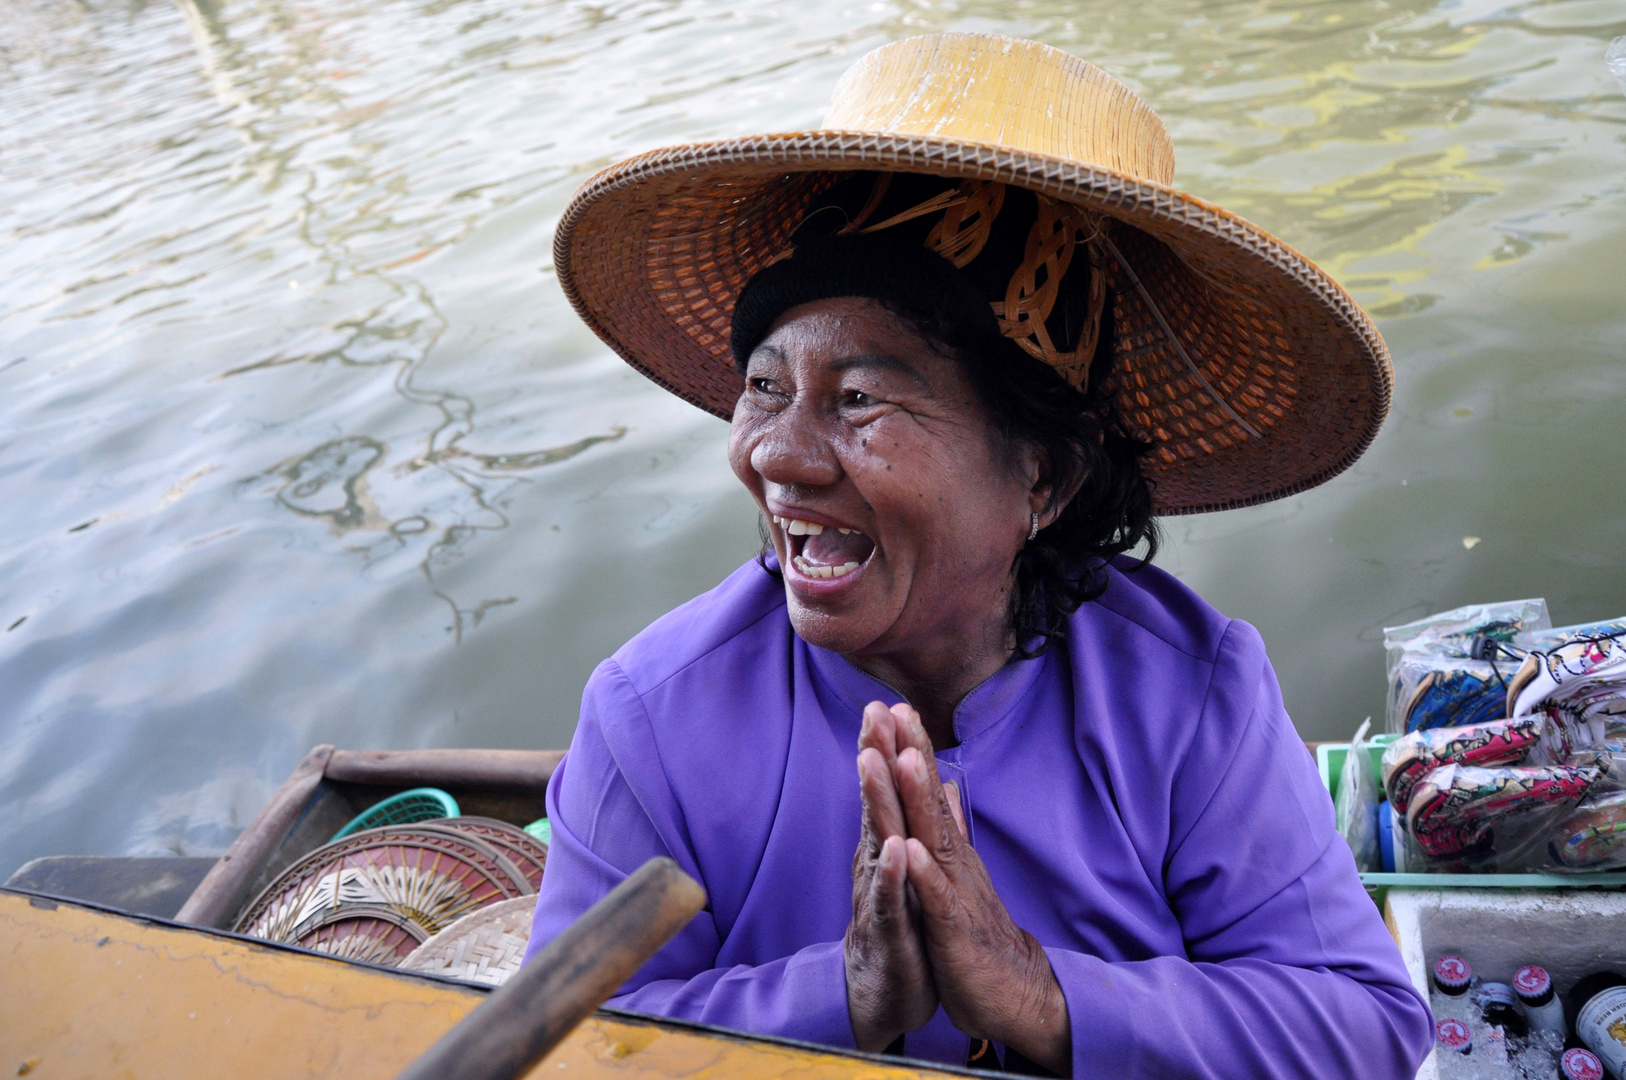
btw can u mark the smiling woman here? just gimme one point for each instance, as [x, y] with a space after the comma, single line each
[851, 425]
[879, 395]
[962, 779]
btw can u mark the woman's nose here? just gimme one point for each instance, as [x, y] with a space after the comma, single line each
[796, 449]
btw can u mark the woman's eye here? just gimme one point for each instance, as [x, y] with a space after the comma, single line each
[860, 400]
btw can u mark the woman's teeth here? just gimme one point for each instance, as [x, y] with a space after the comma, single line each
[798, 527]
[810, 570]
[830, 549]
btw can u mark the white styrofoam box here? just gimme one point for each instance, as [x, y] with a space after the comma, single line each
[1498, 931]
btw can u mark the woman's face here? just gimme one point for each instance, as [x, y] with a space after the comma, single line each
[895, 507]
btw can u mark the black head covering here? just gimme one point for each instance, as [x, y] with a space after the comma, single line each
[895, 265]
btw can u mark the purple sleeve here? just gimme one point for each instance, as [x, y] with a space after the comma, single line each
[1289, 970]
[605, 827]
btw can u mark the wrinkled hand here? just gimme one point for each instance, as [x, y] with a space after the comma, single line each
[993, 977]
[889, 984]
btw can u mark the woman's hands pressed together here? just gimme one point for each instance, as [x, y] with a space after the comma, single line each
[927, 923]
[889, 984]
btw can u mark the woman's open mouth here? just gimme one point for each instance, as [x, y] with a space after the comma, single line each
[824, 551]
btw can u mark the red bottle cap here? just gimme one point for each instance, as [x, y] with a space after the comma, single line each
[1579, 1064]
[1532, 983]
[1452, 974]
[1454, 1035]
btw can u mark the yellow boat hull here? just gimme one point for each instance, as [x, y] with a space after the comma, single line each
[91, 994]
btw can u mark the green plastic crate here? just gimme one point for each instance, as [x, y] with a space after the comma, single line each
[418, 804]
[1330, 760]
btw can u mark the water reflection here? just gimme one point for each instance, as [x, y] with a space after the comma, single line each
[300, 443]
[299, 61]
[324, 483]
[331, 482]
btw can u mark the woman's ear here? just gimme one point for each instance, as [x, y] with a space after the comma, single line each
[1033, 466]
[1046, 497]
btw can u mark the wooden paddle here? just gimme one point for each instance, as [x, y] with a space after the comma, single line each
[544, 1001]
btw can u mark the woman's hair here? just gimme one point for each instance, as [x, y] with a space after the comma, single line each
[1078, 434]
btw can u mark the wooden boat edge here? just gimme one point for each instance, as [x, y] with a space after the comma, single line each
[96, 992]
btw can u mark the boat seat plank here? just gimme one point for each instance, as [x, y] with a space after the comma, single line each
[141, 885]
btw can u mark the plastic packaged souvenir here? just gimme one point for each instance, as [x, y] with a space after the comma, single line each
[1453, 633]
[1520, 794]
[1500, 742]
[1446, 691]
[1537, 779]
[1463, 811]
[1451, 669]
[1559, 636]
[1358, 803]
[1583, 680]
[1594, 836]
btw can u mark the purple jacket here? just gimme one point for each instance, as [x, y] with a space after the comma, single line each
[1140, 798]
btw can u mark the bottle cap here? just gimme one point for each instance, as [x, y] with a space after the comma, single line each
[1579, 1064]
[1454, 1035]
[1533, 985]
[1452, 974]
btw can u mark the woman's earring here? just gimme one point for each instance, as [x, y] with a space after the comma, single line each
[1034, 532]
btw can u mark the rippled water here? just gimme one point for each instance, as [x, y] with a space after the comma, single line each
[299, 441]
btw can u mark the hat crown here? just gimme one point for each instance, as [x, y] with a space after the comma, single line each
[985, 88]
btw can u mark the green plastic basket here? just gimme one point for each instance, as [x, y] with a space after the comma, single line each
[542, 829]
[418, 804]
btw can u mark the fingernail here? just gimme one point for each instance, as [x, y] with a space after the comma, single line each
[916, 853]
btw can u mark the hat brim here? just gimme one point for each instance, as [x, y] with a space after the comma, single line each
[1279, 381]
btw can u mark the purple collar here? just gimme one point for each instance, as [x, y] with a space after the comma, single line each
[990, 702]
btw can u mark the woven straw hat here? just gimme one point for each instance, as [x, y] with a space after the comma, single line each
[1249, 371]
[483, 946]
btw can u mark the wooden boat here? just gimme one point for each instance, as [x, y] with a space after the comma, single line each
[94, 994]
[104, 984]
